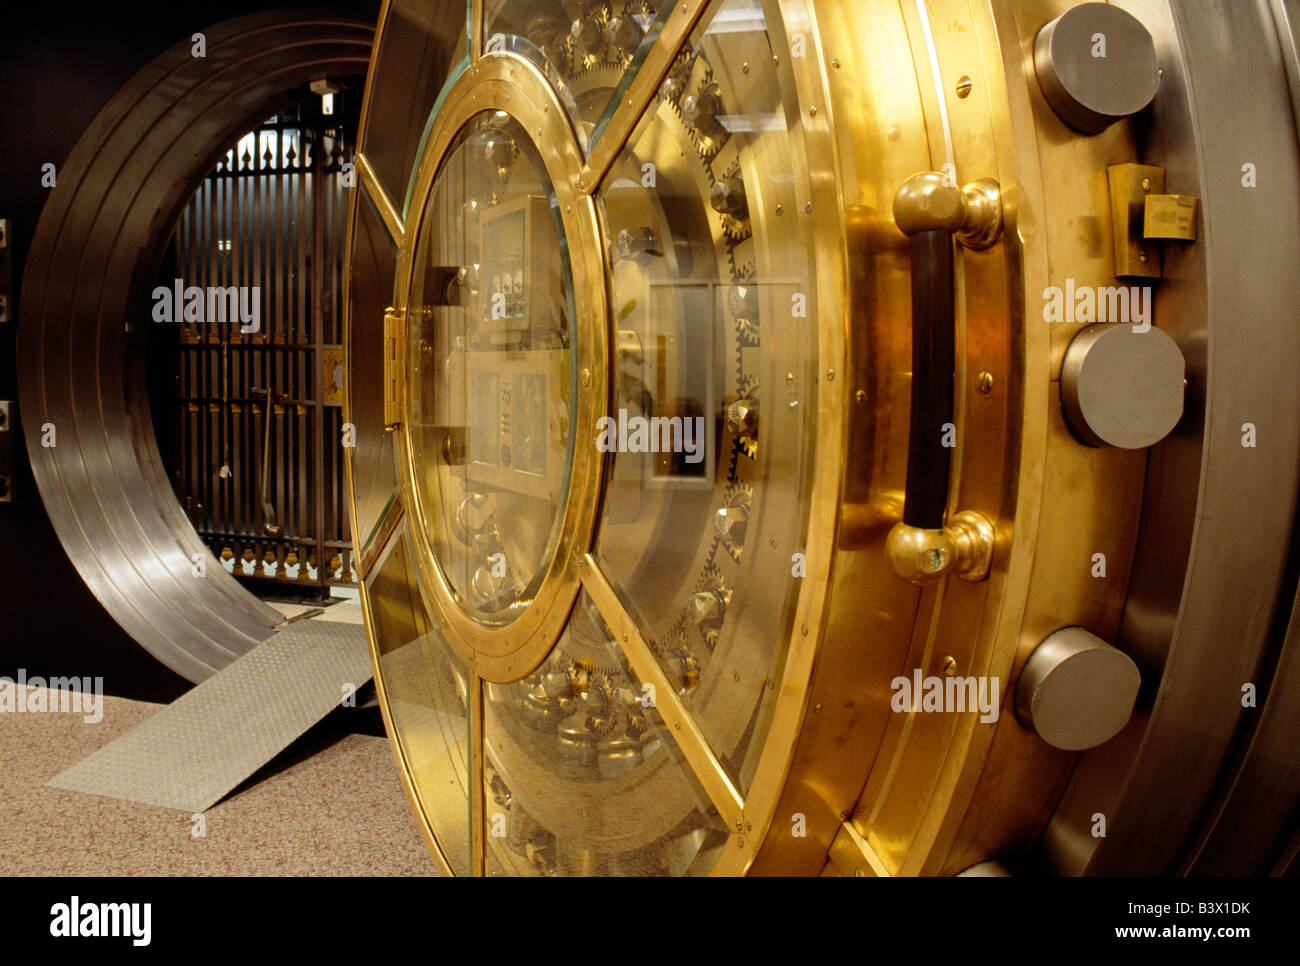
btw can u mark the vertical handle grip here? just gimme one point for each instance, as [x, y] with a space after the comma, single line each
[934, 361]
[935, 214]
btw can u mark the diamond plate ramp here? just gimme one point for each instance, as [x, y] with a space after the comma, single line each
[192, 753]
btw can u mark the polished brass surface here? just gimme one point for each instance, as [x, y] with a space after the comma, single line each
[501, 653]
[964, 547]
[394, 367]
[684, 729]
[928, 202]
[1170, 218]
[1130, 187]
[392, 218]
[706, 678]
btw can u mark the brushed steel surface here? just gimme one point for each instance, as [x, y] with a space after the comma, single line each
[1076, 691]
[192, 753]
[1121, 387]
[1097, 65]
[95, 252]
[1217, 516]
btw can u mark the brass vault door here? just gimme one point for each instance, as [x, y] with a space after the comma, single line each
[643, 413]
[700, 396]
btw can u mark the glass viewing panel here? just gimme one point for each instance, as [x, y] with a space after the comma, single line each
[426, 690]
[710, 240]
[582, 776]
[491, 368]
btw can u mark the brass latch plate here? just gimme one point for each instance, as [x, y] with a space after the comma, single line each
[1143, 218]
[1170, 218]
[1130, 185]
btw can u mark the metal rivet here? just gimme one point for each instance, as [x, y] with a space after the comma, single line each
[860, 396]
[744, 68]
[986, 383]
[812, 112]
[1146, 184]
[830, 375]
[817, 709]
[835, 62]
[964, 87]
[780, 210]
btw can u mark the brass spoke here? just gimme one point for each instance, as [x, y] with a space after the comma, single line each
[388, 212]
[474, 30]
[851, 850]
[642, 90]
[477, 808]
[677, 719]
[374, 547]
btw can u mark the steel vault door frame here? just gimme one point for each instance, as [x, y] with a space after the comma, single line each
[108, 220]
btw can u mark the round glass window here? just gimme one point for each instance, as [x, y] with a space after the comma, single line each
[491, 369]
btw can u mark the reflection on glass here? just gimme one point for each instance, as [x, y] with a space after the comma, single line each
[711, 253]
[490, 366]
[421, 42]
[582, 778]
[588, 49]
[425, 690]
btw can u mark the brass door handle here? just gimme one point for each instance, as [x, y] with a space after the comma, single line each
[934, 213]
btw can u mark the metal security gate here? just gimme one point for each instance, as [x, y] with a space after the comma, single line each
[254, 450]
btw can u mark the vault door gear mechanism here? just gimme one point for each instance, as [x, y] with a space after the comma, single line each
[641, 450]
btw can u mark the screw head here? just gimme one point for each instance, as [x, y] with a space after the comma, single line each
[964, 87]
[949, 666]
[985, 383]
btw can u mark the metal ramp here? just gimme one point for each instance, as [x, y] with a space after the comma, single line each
[192, 753]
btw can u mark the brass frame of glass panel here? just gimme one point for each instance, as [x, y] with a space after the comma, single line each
[505, 82]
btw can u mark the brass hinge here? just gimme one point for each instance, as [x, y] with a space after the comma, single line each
[394, 369]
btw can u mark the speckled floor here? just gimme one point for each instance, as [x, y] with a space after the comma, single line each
[330, 804]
